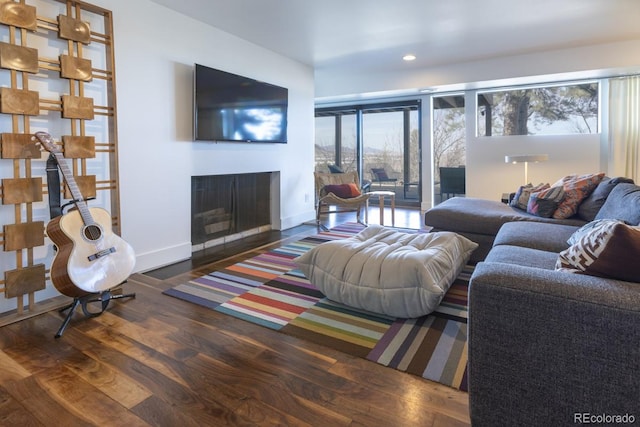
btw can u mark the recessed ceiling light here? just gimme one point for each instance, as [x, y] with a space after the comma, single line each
[409, 57]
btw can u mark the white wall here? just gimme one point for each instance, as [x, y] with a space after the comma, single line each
[488, 176]
[595, 61]
[155, 50]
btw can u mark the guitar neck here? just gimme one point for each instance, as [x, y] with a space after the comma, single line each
[76, 195]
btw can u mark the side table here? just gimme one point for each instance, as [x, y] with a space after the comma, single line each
[381, 195]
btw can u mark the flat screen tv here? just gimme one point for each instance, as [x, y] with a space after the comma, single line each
[228, 107]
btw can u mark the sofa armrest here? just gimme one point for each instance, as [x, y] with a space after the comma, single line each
[546, 346]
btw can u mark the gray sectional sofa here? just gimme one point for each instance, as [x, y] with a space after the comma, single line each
[479, 220]
[546, 347]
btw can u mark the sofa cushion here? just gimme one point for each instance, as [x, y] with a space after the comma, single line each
[623, 203]
[480, 216]
[535, 235]
[590, 206]
[519, 255]
[576, 188]
[611, 250]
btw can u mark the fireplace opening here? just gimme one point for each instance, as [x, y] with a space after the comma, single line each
[229, 205]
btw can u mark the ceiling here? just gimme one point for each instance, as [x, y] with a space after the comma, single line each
[373, 35]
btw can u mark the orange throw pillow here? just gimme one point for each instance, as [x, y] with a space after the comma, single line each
[576, 188]
[344, 191]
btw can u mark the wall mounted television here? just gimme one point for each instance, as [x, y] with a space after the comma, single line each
[229, 107]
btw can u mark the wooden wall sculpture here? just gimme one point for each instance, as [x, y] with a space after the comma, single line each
[56, 75]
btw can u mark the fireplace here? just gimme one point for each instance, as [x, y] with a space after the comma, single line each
[228, 207]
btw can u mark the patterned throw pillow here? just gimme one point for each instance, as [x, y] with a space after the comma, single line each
[576, 188]
[609, 251]
[344, 191]
[544, 203]
[521, 199]
[590, 227]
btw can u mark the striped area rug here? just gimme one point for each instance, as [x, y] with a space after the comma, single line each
[268, 290]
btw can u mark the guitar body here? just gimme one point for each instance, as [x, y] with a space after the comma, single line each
[89, 259]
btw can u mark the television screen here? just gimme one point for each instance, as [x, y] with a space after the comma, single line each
[229, 107]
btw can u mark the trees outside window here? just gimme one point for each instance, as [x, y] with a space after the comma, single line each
[550, 110]
[335, 141]
[449, 139]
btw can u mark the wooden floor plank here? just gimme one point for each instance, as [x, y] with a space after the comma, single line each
[14, 413]
[156, 412]
[10, 370]
[267, 387]
[113, 383]
[84, 400]
[114, 344]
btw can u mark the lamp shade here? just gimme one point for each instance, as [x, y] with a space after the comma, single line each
[528, 158]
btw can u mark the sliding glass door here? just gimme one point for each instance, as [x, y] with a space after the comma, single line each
[390, 142]
[381, 142]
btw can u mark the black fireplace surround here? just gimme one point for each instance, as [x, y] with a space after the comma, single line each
[223, 205]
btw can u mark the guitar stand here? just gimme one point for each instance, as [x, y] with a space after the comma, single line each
[103, 297]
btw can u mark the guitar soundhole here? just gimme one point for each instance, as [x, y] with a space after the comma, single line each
[92, 232]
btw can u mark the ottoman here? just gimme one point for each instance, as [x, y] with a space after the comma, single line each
[386, 271]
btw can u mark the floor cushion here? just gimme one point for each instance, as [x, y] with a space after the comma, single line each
[387, 271]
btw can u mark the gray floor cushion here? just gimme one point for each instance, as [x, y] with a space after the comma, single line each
[386, 271]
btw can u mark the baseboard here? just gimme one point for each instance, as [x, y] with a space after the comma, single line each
[162, 257]
[294, 221]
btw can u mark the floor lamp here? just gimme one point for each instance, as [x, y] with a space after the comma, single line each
[526, 159]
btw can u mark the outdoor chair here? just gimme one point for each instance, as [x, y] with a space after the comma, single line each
[380, 176]
[452, 181]
[335, 168]
[341, 190]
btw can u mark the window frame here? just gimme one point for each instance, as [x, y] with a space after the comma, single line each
[480, 92]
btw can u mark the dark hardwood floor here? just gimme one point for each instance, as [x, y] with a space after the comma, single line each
[156, 360]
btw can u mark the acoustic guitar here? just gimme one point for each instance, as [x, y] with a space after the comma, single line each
[90, 258]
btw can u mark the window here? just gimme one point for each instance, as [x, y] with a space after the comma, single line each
[549, 110]
[377, 135]
[390, 141]
[335, 140]
[449, 144]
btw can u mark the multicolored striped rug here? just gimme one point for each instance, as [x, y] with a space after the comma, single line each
[270, 291]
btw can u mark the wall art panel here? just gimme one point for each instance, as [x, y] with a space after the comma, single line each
[57, 75]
